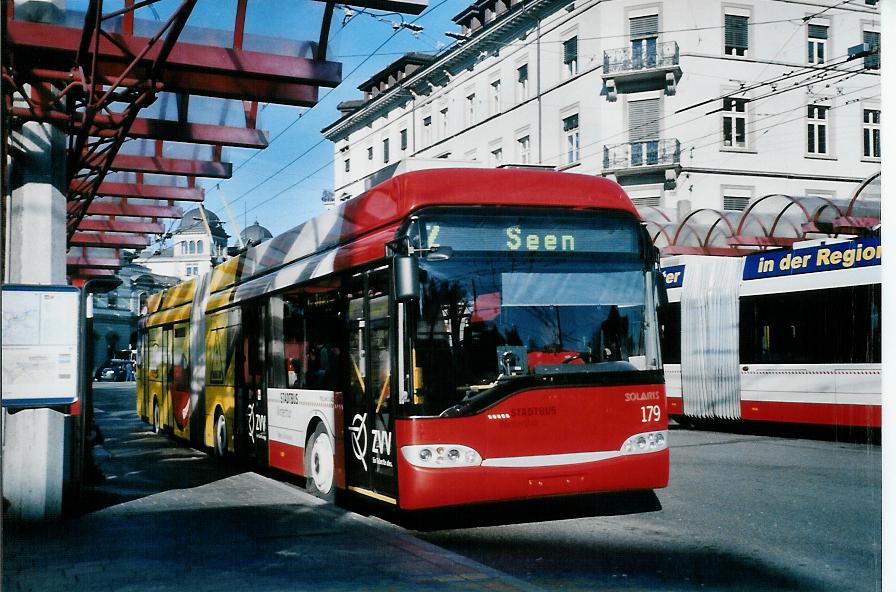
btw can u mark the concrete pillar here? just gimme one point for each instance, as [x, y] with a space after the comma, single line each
[683, 208]
[34, 462]
[36, 449]
[36, 228]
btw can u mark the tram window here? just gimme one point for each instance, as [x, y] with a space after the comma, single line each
[839, 325]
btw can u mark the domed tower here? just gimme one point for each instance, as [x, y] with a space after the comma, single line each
[255, 234]
[195, 248]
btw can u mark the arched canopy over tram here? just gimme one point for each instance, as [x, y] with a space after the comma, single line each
[771, 221]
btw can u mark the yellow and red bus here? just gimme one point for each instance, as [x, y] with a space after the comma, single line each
[449, 337]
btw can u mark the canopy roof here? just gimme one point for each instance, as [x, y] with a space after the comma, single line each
[771, 221]
[148, 103]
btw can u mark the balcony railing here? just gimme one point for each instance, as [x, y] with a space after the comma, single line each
[646, 153]
[639, 57]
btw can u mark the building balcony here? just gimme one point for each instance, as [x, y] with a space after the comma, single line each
[640, 67]
[660, 158]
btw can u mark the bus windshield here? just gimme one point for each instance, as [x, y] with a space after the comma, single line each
[488, 316]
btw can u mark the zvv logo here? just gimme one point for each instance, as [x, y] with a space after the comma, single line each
[359, 437]
[382, 442]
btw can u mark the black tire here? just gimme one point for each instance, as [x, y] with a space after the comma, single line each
[220, 434]
[319, 465]
[156, 417]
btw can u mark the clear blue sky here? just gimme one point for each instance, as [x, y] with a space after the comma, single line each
[298, 145]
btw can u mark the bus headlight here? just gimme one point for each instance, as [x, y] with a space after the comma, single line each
[436, 456]
[646, 442]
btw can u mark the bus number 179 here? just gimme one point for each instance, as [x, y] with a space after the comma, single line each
[650, 413]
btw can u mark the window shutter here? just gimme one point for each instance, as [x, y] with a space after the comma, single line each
[735, 203]
[818, 32]
[872, 62]
[570, 50]
[644, 26]
[736, 32]
[643, 120]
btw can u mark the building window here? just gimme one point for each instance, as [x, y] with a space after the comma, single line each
[427, 129]
[471, 109]
[817, 128]
[736, 34]
[522, 82]
[872, 62]
[571, 57]
[348, 165]
[386, 151]
[818, 42]
[571, 138]
[497, 157]
[183, 248]
[370, 153]
[644, 131]
[403, 139]
[199, 247]
[192, 249]
[643, 31]
[522, 149]
[444, 115]
[496, 97]
[871, 133]
[734, 123]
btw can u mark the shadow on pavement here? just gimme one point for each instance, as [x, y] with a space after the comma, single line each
[518, 512]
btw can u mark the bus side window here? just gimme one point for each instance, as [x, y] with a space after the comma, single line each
[155, 352]
[293, 341]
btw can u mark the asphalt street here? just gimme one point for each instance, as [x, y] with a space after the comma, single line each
[770, 511]
[742, 512]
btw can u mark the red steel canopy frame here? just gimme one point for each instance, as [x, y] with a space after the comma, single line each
[772, 221]
[94, 81]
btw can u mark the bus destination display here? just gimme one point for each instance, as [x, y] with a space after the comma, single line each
[564, 235]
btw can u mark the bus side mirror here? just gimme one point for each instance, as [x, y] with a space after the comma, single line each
[406, 278]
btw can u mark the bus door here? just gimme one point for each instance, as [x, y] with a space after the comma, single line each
[370, 439]
[154, 376]
[250, 416]
[178, 388]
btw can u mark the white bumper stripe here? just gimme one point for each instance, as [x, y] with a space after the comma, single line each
[550, 460]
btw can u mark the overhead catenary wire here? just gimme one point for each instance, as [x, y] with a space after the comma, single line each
[297, 119]
[799, 21]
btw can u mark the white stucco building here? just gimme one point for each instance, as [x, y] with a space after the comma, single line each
[195, 247]
[710, 103]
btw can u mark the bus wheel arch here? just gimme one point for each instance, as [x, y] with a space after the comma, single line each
[319, 462]
[219, 433]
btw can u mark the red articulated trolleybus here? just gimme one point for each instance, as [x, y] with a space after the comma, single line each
[449, 337]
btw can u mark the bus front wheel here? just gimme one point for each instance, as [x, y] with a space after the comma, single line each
[319, 468]
[220, 434]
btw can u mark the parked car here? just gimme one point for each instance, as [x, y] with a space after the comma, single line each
[112, 371]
